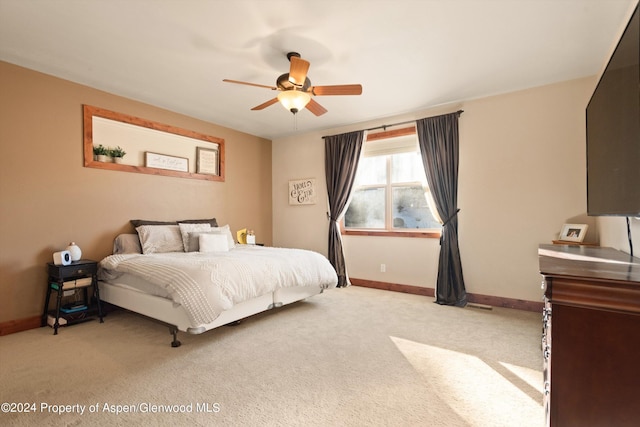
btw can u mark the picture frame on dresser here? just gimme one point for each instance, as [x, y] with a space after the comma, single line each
[573, 232]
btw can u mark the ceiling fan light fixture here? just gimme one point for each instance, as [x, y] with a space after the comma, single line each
[294, 100]
[295, 89]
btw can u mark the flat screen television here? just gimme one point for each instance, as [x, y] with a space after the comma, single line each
[613, 131]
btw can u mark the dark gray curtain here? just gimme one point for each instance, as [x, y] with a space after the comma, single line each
[438, 138]
[342, 154]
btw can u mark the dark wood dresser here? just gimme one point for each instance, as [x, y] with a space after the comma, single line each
[591, 336]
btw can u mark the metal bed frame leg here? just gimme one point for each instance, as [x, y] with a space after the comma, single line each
[173, 330]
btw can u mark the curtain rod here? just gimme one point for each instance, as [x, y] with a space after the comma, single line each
[398, 124]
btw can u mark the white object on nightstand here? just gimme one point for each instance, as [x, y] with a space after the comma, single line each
[62, 258]
[75, 251]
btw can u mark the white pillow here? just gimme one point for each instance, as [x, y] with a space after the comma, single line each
[194, 241]
[210, 242]
[225, 230]
[160, 238]
[186, 229]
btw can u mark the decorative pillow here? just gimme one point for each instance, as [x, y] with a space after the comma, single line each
[127, 244]
[194, 241]
[187, 229]
[160, 238]
[227, 232]
[211, 242]
[194, 238]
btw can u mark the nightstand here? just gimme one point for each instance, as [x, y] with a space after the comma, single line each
[75, 277]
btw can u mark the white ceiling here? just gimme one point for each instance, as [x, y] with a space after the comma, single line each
[409, 55]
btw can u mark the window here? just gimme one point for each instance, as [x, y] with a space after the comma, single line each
[390, 190]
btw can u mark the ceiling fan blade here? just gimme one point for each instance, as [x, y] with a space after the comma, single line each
[316, 108]
[298, 70]
[249, 84]
[265, 104]
[336, 90]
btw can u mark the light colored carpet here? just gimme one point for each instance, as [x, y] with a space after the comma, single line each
[347, 357]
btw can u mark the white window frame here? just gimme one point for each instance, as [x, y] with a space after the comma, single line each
[389, 231]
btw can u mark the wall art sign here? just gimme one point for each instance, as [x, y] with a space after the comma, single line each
[302, 192]
[163, 161]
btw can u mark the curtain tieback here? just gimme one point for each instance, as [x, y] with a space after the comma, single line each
[330, 218]
[444, 224]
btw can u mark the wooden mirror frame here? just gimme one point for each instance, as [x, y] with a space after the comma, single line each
[89, 112]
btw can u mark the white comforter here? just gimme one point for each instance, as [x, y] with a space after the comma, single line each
[206, 284]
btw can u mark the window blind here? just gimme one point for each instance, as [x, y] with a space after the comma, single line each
[396, 145]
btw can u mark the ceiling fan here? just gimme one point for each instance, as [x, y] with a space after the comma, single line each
[296, 89]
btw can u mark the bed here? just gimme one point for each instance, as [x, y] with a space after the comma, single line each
[193, 277]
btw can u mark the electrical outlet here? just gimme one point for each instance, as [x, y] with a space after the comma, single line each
[383, 268]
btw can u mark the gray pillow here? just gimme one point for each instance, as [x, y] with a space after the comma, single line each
[127, 244]
[138, 222]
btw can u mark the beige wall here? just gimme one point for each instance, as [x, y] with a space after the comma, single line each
[613, 233]
[522, 175]
[48, 198]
